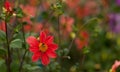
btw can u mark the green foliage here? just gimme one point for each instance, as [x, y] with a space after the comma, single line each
[98, 55]
[16, 43]
[86, 50]
[19, 12]
[2, 51]
[30, 67]
[2, 35]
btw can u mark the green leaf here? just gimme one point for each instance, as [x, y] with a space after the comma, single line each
[17, 28]
[30, 67]
[91, 24]
[2, 51]
[30, 34]
[19, 12]
[2, 62]
[66, 51]
[2, 35]
[86, 50]
[17, 43]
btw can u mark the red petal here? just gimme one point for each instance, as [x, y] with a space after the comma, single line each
[45, 59]
[34, 49]
[49, 39]
[42, 37]
[51, 54]
[7, 5]
[36, 56]
[53, 46]
[32, 41]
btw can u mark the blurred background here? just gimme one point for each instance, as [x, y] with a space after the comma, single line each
[87, 32]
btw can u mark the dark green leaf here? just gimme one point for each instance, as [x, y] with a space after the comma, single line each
[2, 51]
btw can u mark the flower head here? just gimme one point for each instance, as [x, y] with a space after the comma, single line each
[7, 7]
[42, 48]
[115, 66]
[118, 2]
[114, 23]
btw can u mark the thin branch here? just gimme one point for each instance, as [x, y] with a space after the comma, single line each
[75, 37]
[8, 61]
[59, 35]
[24, 43]
[78, 33]
[22, 61]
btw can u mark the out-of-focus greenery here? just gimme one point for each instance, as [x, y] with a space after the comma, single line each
[92, 16]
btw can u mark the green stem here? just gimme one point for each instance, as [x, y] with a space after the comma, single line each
[8, 60]
[78, 33]
[59, 35]
[24, 43]
[22, 61]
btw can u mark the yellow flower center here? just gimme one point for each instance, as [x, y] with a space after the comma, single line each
[43, 47]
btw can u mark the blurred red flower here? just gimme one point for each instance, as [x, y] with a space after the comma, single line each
[115, 66]
[37, 27]
[66, 24]
[33, 2]
[91, 8]
[105, 3]
[2, 26]
[72, 3]
[7, 7]
[79, 12]
[83, 40]
[42, 49]
[27, 27]
[29, 10]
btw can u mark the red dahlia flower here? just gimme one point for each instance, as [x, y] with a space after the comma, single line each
[42, 49]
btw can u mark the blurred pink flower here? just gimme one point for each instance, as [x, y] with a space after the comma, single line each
[72, 3]
[118, 2]
[29, 10]
[37, 27]
[115, 66]
[91, 7]
[27, 19]
[45, 5]
[66, 24]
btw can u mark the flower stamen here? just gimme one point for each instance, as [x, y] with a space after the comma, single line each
[43, 47]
